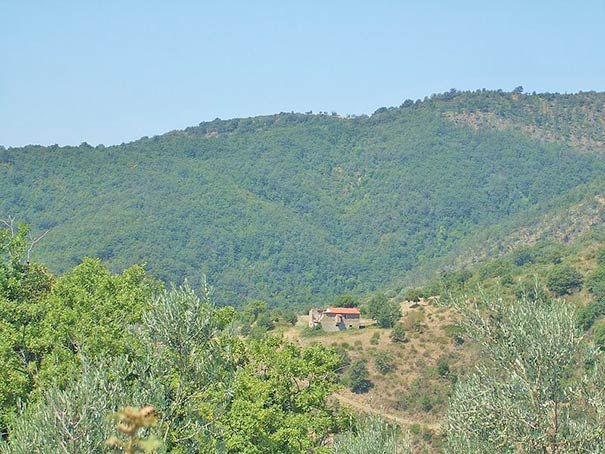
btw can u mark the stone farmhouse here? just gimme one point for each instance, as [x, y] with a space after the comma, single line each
[335, 318]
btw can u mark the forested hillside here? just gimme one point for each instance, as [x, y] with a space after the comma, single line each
[293, 208]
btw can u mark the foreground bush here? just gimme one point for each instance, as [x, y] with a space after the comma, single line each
[73, 419]
[373, 436]
[213, 392]
[539, 386]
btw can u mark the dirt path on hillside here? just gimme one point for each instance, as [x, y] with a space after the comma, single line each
[364, 408]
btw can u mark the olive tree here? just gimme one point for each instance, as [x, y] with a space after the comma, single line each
[373, 436]
[74, 418]
[538, 388]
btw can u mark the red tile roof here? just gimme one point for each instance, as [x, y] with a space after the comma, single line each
[343, 310]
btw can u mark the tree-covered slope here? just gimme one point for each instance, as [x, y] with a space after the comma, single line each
[296, 207]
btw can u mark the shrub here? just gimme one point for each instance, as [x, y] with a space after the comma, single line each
[373, 436]
[598, 334]
[426, 403]
[291, 318]
[524, 256]
[384, 362]
[413, 294]
[311, 332]
[454, 332]
[563, 279]
[423, 395]
[257, 333]
[276, 315]
[344, 360]
[359, 377]
[264, 321]
[414, 322]
[374, 339]
[443, 368]
[386, 312]
[588, 314]
[398, 334]
[531, 290]
[600, 256]
[245, 329]
[427, 436]
[596, 283]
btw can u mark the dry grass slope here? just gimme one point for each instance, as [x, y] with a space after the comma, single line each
[426, 366]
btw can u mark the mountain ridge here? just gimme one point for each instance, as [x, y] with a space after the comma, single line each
[295, 208]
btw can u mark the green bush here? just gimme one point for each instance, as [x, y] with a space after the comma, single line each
[424, 395]
[344, 360]
[414, 321]
[600, 256]
[386, 312]
[398, 334]
[588, 314]
[598, 334]
[375, 338]
[372, 436]
[359, 377]
[414, 294]
[595, 282]
[307, 331]
[245, 329]
[384, 362]
[291, 317]
[530, 289]
[563, 279]
[415, 428]
[524, 256]
[455, 332]
[443, 368]
[264, 321]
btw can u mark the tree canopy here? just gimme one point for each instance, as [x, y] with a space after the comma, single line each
[296, 208]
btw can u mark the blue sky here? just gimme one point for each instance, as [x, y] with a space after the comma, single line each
[113, 71]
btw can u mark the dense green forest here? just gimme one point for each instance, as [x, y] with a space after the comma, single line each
[295, 208]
